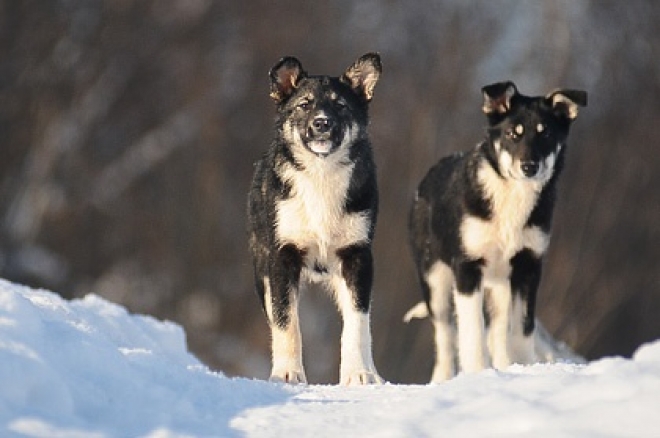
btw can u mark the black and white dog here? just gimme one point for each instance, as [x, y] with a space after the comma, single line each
[312, 211]
[480, 224]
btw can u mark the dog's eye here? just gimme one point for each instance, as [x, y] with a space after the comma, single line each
[543, 130]
[515, 132]
[341, 103]
[304, 104]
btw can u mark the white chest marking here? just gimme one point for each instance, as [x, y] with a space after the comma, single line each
[500, 238]
[313, 218]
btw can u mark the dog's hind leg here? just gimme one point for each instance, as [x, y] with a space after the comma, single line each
[468, 299]
[353, 291]
[522, 347]
[281, 302]
[525, 279]
[439, 281]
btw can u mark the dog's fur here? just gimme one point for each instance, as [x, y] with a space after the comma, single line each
[480, 224]
[312, 211]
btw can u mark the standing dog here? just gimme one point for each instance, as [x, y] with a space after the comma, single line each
[479, 227]
[312, 211]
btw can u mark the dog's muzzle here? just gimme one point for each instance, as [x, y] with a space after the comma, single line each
[319, 133]
[529, 168]
[321, 125]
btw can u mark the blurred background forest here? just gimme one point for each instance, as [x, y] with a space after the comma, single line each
[129, 129]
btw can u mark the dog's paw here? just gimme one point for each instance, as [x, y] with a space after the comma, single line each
[442, 372]
[362, 377]
[288, 376]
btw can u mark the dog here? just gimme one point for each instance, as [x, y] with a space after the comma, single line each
[479, 227]
[312, 212]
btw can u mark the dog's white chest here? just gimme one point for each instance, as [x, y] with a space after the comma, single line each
[499, 238]
[313, 217]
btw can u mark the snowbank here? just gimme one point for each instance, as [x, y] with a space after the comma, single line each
[87, 368]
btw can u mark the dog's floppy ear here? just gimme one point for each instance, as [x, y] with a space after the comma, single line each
[565, 103]
[284, 78]
[363, 75]
[497, 97]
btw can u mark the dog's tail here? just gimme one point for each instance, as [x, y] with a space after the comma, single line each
[419, 310]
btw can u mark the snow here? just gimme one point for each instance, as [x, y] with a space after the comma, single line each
[88, 368]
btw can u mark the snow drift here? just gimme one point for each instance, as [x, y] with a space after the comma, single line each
[87, 368]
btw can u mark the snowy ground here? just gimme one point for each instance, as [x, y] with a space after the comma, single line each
[87, 368]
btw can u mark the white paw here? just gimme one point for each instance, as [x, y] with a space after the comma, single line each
[442, 373]
[288, 376]
[362, 377]
[501, 362]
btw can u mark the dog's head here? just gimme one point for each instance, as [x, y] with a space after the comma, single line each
[527, 134]
[323, 113]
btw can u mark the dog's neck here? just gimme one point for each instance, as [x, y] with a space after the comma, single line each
[487, 150]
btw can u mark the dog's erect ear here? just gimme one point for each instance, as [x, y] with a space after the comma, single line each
[363, 75]
[497, 97]
[565, 103]
[284, 78]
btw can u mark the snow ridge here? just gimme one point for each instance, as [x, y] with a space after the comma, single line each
[88, 368]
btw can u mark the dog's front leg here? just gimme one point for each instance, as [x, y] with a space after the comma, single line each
[353, 294]
[500, 323]
[468, 300]
[281, 299]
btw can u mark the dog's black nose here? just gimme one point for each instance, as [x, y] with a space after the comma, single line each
[529, 168]
[322, 124]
